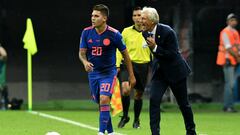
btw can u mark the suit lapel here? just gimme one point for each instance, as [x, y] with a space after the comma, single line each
[158, 33]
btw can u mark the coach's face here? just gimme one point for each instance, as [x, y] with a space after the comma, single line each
[98, 19]
[147, 24]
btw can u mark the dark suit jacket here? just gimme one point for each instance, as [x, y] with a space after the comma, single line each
[168, 62]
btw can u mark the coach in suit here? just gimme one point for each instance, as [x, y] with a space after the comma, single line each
[169, 70]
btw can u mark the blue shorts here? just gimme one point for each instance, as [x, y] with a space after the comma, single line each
[102, 86]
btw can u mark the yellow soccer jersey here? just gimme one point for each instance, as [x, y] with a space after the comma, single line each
[136, 46]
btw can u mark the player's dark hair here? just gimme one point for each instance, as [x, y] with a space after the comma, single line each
[102, 8]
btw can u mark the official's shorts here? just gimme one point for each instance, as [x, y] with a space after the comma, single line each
[102, 85]
[140, 72]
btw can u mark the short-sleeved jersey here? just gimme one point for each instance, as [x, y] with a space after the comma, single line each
[135, 43]
[101, 48]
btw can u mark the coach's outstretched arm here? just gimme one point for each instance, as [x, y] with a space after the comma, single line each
[83, 57]
[128, 63]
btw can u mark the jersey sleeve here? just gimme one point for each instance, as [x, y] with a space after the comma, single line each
[119, 42]
[83, 43]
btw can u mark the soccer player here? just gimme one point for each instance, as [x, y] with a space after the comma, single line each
[97, 52]
[140, 56]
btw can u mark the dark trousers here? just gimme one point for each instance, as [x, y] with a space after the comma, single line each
[179, 90]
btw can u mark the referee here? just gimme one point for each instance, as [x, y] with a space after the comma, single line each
[140, 56]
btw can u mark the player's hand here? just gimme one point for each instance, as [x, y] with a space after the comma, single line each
[88, 66]
[151, 42]
[132, 81]
[126, 88]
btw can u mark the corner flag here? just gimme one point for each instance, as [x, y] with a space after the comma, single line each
[31, 46]
[29, 38]
[116, 101]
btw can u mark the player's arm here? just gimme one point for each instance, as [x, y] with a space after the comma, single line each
[128, 63]
[122, 48]
[83, 54]
[83, 57]
[119, 57]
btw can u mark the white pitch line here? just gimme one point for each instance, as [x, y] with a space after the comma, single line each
[67, 121]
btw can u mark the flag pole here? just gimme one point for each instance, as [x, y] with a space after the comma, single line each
[31, 46]
[29, 58]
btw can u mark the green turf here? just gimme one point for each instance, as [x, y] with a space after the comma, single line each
[88, 105]
[24, 123]
[210, 119]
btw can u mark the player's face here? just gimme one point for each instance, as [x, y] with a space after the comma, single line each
[137, 19]
[147, 24]
[98, 19]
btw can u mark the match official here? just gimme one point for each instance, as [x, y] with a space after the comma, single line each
[140, 56]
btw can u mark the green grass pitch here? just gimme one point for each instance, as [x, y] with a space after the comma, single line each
[210, 120]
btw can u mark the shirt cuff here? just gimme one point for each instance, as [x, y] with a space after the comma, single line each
[155, 48]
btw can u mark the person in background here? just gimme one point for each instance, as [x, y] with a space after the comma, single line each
[3, 86]
[97, 52]
[140, 56]
[227, 58]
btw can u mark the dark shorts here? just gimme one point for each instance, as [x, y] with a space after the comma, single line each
[140, 72]
[102, 86]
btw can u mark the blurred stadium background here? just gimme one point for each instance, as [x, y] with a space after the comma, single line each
[60, 82]
[57, 71]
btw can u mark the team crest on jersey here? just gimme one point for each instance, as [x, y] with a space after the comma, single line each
[106, 41]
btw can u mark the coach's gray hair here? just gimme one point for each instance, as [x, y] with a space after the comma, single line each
[152, 14]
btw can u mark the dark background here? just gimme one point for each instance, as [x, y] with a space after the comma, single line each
[58, 25]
